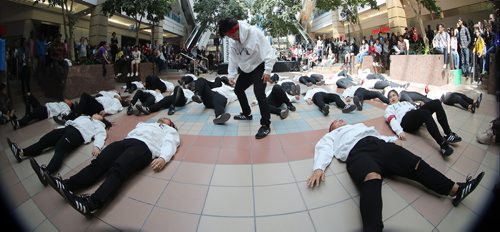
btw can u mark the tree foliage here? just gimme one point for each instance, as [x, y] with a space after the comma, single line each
[349, 7]
[152, 10]
[276, 16]
[209, 12]
[69, 21]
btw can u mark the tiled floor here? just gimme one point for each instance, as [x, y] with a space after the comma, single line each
[222, 179]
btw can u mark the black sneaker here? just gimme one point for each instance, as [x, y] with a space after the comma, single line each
[357, 103]
[325, 110]
[263, 132]
[59, 119]
[473, 107]
[348, 109]
[464, 189]
[478, 100]
[291, 107]
[57, 184]
[143, 109]
[196, 99]
[171, 110]
[284, 113]
[39, 170]
[243, 117]
[16, 150]
[130, 110]
[82, 203]
[222, 119]
[452, 138]
[446, 150]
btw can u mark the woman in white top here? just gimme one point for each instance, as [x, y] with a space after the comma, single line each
[64, 140]
[404, 116]
[454, 48]
[136, 60]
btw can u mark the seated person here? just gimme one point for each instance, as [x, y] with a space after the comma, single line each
[403, 116]
[159, 60]
[370, 157]
[148, 144]
[39, 112]
[356, 91]
[180, 97]
[64, 140]
[321, 98]
[215, 98]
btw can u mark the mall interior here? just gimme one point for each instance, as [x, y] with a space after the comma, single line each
[219, 176]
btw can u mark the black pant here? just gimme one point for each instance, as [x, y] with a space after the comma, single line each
[118, 161]
[364, 94]
[460, 98]
[371, 154]
[121, 66]
[210, 98]
[384, 83]
[35, 112]
[154, 82]
[411, 97]
[146, 98]
[65, 140]
[176, 99]
[276, 98]
[372, 76]
[87, 105]
[259, 87]
[305, 79]
[415, 118]
[321, 99]
[345, 82]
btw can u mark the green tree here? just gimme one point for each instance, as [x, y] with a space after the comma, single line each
[70, 18]
[417, 6]
[349, 8]
[276, 16]
[152, 10]
[209, 12]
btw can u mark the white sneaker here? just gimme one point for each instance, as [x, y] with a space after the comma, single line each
[137, 73]
[129, 74]
[119, 74]
[444, 66]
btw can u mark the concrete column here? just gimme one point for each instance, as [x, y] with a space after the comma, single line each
[158, 33]
[396, 15]
[338, 26]
[98, 30]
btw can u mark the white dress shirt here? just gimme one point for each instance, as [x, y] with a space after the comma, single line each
[394, 113]
[339, 142]
[162, 140]
[89, 128]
